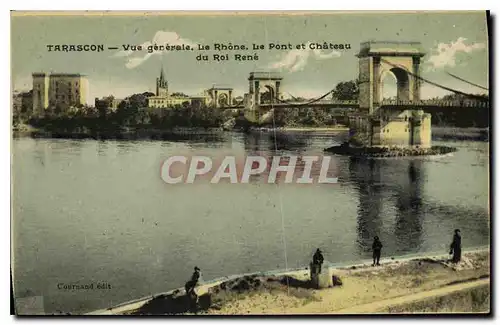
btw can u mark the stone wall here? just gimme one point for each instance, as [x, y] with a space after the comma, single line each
[402, 128]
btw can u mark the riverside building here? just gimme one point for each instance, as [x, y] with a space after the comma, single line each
[58, 91]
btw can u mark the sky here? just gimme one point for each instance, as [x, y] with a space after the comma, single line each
[454, 42]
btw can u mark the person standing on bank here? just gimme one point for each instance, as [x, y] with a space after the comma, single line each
[191, 284]
[456, 247]
[318, 260]
[377, 250]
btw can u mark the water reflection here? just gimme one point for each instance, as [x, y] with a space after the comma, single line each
[124, 147]
[288, 141]
[64, 147]
[394, 206]
[366, 175]
[268, 145]
[408, 198]
[253, 142]
[389, 188]
[39, 154]
[257, 144]
[197, 139]
[102, 147]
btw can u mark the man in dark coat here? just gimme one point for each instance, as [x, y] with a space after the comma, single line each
[456, 247]
[318, 260]
[191, 284]
[377, 250]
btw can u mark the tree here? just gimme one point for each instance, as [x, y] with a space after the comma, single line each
[314, 117]
[129, 108]
[462, 97]
[286, 116]
[347, 90]
[90, 111]
[142, 117]
[453, 97]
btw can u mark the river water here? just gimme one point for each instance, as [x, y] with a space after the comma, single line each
[98, 212]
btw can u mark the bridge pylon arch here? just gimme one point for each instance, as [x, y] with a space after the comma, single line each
[376, 59]
[263, 88]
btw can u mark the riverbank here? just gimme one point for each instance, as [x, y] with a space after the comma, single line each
[460, 134]
[305, 129]
[125, 134]
[161, 134]
[438, 133]
[398, 285]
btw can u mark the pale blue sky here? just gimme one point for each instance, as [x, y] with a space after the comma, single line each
[461, 38]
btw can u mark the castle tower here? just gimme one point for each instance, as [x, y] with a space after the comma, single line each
[40, 92]
[161, 85]
[58, 90]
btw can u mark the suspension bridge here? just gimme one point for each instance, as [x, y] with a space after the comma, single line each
[468, 101]
[401, 122]
[270, 98]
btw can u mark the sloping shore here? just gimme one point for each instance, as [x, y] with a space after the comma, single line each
[292, 292]
[460, 134]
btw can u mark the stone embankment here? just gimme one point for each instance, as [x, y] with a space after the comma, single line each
[406, 285]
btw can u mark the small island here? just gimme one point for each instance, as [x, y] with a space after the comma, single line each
[388, 152]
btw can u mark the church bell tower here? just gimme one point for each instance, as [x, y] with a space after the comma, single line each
[161, 85]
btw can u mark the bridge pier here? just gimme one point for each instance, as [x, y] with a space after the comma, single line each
[256, 114]
[404, 127]
[252, 113]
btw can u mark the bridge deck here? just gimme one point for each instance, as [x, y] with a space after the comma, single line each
[424, 104]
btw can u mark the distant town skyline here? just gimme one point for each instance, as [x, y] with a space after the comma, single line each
[455, 42]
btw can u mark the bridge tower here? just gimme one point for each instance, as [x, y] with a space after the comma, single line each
[263, 88]
[376, 59]
[400, 125]
[219, 96]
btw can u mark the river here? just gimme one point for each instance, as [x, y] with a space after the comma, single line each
[98, 212]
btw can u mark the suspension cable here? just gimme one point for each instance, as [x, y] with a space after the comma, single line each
[466, 81]
[434, 83]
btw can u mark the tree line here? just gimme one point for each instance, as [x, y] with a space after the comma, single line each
[132, 113]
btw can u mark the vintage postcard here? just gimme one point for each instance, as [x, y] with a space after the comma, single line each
[242, 163]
